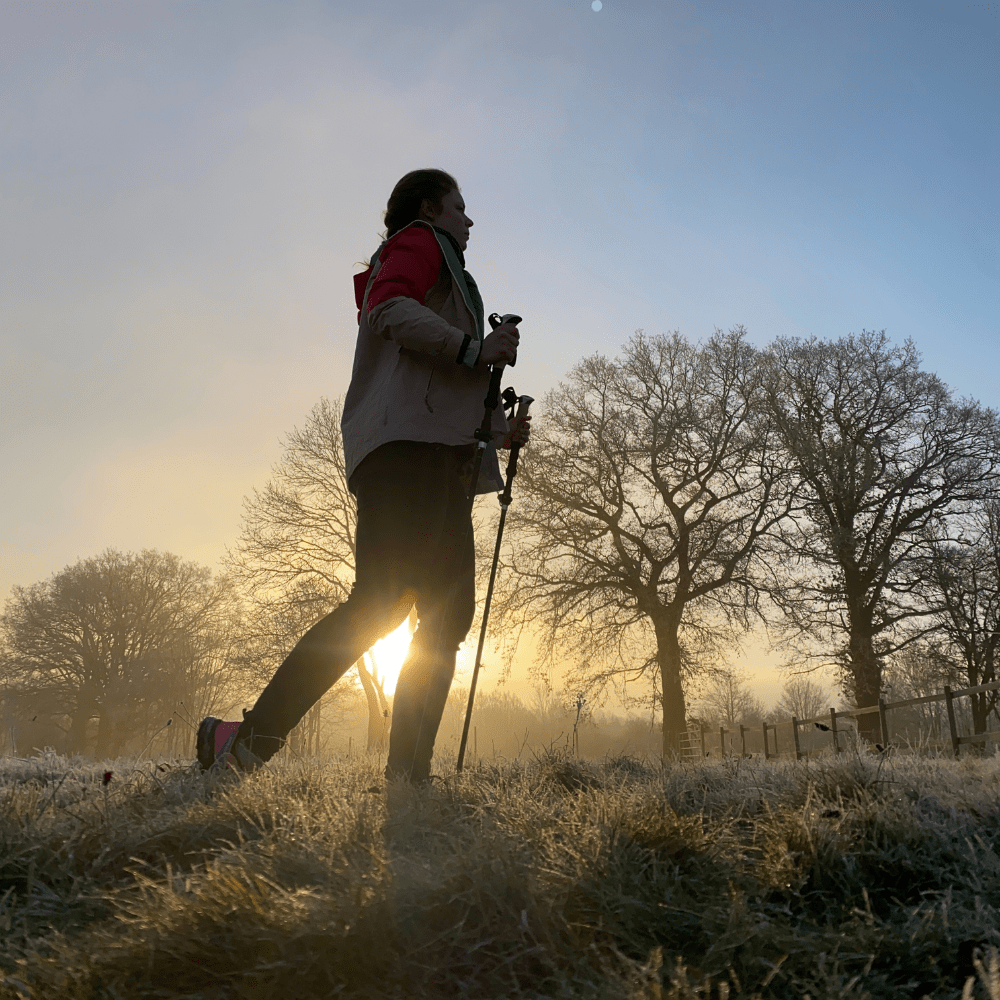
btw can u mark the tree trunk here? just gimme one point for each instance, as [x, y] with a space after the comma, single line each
[981, 670]
[378, 728]
[85, 710]
[303, 740]
[384, 709]
[866, 672]
[105, 733]
[314, 720]
[668, 655]
[980, 713]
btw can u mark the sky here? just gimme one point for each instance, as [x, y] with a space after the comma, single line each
[186, 189]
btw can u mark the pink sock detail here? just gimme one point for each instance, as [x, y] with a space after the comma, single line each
[223, 732]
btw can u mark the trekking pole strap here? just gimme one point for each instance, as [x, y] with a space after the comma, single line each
[484, 433]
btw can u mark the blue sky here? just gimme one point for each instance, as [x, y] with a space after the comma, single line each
[185, 187]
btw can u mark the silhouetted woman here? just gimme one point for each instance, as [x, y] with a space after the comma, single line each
[421, 372]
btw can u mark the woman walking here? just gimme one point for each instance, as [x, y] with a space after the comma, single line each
[421, 372]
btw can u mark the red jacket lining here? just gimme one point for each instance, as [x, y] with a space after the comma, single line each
[411, 266]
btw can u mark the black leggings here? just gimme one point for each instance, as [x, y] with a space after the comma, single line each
[414, 544]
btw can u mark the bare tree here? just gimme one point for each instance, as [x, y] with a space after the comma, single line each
[120, 638]
[801, 697]
[649, 485]
[727, 699]
[965, 588]
[295, 555]
[920, 670]
[882, 450]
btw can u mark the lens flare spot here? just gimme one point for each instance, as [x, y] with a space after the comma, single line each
[389, 654]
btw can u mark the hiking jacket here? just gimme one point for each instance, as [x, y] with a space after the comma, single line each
[420, 332]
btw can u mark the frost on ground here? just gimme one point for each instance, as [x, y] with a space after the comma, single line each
[852, 877]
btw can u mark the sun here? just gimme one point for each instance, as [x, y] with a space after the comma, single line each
[389, 654]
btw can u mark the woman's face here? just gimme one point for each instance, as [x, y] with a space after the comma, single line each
[452, 216]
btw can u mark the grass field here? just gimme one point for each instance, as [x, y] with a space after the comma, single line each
[851, 877]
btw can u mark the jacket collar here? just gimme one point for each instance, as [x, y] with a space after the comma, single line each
[441, 232]
[451, 239]
[466, 283]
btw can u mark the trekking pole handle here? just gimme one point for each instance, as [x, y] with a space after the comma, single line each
[497, 320]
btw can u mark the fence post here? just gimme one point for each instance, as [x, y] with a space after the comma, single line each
[722, 741]
[951, 719]
[883, 721]
[743, 741]
[702, 727]
[833, 729]
[766, 754]
[795, 738]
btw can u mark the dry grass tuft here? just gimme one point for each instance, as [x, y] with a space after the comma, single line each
[851, 877]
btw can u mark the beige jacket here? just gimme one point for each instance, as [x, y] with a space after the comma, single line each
[407, 384]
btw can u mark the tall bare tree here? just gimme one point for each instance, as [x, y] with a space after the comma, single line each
[965, 588]
[882, 450]
[120, 638]
[295, 555]
[650, 483]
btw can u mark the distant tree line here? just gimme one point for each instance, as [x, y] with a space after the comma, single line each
[725, 697]
[671, 499]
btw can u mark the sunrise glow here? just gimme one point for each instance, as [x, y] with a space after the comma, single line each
[389, 654]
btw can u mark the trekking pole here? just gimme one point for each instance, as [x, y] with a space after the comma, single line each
[484, 435]
[485, 432]
[523, 402]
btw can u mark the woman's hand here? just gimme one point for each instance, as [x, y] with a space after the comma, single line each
[520, 432]
[500, 346]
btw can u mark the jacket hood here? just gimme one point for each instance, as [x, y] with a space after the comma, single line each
[360, 284]
[361, 280]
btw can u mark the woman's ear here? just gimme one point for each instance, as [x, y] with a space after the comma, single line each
[427, 212]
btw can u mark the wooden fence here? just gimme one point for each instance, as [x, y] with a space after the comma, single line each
[699, 743]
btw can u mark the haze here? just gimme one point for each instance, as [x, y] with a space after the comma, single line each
[186, 189]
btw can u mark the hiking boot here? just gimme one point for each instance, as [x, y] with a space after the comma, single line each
[218, 749]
